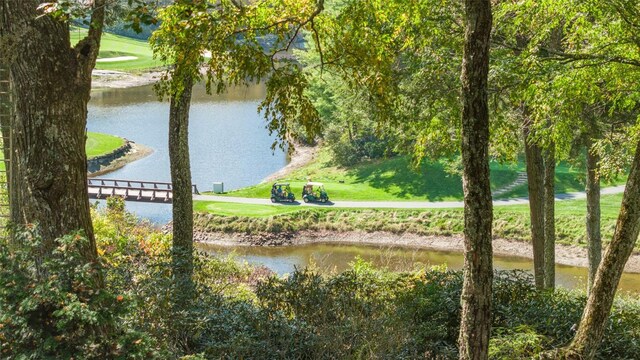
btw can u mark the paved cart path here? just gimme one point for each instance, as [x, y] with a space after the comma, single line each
[398, 204]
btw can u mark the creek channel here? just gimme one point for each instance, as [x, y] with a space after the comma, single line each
[229, 143]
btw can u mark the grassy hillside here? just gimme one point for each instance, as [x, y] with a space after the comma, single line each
[393, 180]
[113, 46]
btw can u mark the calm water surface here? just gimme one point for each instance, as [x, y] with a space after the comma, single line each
[332, 257]
[227, 138]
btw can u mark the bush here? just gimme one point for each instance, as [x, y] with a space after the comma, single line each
[349, 151]
[519, 343]
[349, 315]
[57, 308]
[52, 303]
[345, 153]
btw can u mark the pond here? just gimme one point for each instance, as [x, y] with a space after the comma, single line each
[227, 138]
[327, 258]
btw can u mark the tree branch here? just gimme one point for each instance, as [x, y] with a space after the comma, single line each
[87, 49]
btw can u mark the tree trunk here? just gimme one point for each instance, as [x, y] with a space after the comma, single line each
[51, 83]
[594, 239]
[535, 176]
[182, 250]
[549, 218]
[6, 119]
[475, 322]
[596, 312]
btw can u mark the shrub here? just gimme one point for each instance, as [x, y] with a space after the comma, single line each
[350, 315]
[52, 304]
[519, 343]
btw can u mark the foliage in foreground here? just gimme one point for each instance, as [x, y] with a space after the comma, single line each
[50, 309]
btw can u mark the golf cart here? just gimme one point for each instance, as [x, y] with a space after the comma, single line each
[314, 192]
[281, 192]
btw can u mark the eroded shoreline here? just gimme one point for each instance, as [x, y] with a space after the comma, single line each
[565, 254]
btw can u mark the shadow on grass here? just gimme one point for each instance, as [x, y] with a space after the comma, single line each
[395, 177]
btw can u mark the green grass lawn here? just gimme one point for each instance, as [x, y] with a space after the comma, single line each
[100, 144]
[97, 144]
[510, 222]
[610, 206]
[251, 210]
[393, 180]
[116, 46]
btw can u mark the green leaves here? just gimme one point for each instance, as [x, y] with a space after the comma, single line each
[226, 43]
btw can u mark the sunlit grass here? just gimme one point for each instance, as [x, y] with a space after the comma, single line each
[394, 180]
[510, 222]
[116, 46]
[100, 144]
[232, 209]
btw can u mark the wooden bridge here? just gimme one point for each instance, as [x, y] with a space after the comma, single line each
[133, 190]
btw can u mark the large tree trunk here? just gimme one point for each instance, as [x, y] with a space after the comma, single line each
[475, 322]
[51, 84]
[594, 240]
[596, 312]
[535, 176]
[549, 218]
[6, 120]
[182, 250]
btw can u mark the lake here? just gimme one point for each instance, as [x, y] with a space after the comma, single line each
[227, 138]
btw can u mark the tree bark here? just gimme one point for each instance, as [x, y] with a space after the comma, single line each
[600, 300]
[594, 239]
[549, 218]
[51, 82]
[182, 250]
[475, 323]
[6, 119]
[535, 176]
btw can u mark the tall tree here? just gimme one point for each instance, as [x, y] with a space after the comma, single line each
[594, 318]
[600, 58]
[234, 36]
[475, 324]
[549, 216]
[51, 83]
[535, 183]
[182, 248]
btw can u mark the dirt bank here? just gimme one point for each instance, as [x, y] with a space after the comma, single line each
[112, 79]
[565, 254]
[300, 157]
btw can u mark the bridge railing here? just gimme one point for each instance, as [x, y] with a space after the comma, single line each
[135, 184]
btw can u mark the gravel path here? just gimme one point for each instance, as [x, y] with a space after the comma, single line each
[398, 204]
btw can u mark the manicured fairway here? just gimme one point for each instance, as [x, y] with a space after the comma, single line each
[115, 46]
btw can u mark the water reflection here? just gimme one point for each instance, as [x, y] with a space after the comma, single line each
[227, 138]
[103, 97]
[333, 257]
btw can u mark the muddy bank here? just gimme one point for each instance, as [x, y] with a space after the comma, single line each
[112, 79]
[565, 254]
[302, 156]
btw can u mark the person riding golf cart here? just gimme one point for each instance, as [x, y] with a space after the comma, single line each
[281, 192]
[314, 192]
